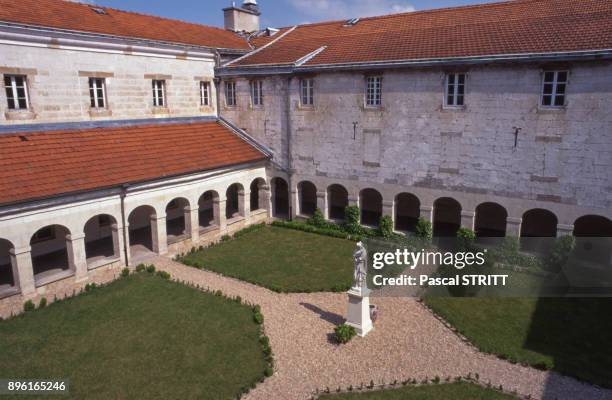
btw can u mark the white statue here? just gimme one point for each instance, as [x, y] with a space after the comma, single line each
[360, 266]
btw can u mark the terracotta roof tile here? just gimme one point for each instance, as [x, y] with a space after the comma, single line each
[513, 27]
[62, 14]
[58, 162]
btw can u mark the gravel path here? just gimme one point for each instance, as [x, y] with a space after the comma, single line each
[407, 342]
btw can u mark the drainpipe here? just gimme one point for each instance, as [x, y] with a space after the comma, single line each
[122, 195]
[289, 145]
[217, 80]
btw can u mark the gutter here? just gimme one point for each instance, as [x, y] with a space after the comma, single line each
[289, 144]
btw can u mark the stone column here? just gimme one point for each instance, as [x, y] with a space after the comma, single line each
[294, 203]
[127, 244]
[468, 219]
[322, 203]
[219, 212]
[77, 259]
[388, 209]
[353, 200]
[565, 230]
[427, 213]
[117, 234]
[244, 204]
[158, 233]
[192, 223]
[513, 226]
[265, 200]
[23, 271]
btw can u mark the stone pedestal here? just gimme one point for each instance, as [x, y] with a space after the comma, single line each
[359, 310]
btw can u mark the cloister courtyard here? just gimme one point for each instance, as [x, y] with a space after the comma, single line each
[143, 337]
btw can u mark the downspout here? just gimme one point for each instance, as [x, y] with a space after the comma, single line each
[289, 144]
[217, 80]
[123, 221]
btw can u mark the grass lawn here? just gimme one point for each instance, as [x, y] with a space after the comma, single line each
[281, 259]
[141, 337]
[570, 335]
[450, 391]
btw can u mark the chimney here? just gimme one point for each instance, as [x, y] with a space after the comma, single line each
[242, 19]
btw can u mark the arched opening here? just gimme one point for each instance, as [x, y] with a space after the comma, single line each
[594, 239]
[307, 194]
[407, 212]
[257, 198]
[140, 230]
[538, 230]
[370, 202]
[207, 203]
[234, 198]
[490, 224]
[280, 198]
[101, 240]
[50, 254]
[447, 217]
[7, 269]
[177, 219]
[337, 198]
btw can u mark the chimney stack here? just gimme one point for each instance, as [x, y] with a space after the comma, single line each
[242, 19]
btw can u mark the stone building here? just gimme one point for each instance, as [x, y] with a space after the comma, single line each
[123, 134]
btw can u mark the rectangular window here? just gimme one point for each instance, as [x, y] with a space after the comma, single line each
[257, 93]
[554, 85]
[230, 94]
[374, 91]
[97, 92]
[16, 92]
[455, 90]
[307, 92]
[204, 93]
[159, 93]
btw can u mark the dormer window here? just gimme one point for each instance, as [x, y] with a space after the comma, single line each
[16, 92]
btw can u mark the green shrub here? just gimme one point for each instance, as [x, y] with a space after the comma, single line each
[42, 303]
[141, 267]
[352, 216]
[385, 226]
[150, 268]
[90, 286]
[344, 333]
[163, 274]
[466, 238]
[225, 238]
[318, 219]
[423, 229]
[264, 340]
[268, 372]
[560, 252]
[125, 272]
[258, 318]
[29, 306]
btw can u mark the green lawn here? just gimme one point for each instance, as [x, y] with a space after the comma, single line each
[281, 259]
[141, 337]
[572, 336]
[450, 391]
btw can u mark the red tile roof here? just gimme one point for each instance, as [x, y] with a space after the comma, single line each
[38, 165]
[513, 27]
[81, 17]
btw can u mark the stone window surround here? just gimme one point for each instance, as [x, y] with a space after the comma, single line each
[454, 107]
[252, 87]
[300, 103]
[552, 109]
[211, 100]
[367, 78]
[24, 114]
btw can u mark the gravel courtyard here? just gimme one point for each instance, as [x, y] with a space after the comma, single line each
[407, 342]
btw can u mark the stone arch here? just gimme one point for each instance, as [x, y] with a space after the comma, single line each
[594, 239]
[446, 217]
[50, 254]
[337, 198]
[490, 220]
[407, 212]
[538, 230]
[256, 197]
[208, 210]
[178, 219]
[234, 204]
[141, 230]
[8, 272]
[280, 198]
[307, 198]
[370, 203]
[101, 240]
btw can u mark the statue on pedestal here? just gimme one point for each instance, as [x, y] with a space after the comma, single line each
[359, 301]
[360, 266]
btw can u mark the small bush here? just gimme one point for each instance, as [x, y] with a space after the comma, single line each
[29, 306]
[163, 274]
[385, 227]
[42, 303]
[466, 238]
[268, 372]
[225, 238]
[258, 318]
[344, 333]
[264, 340]
[141, 267]
[150, 268]
[423, 229]
[125, 272]
[560, 252]
[352, 216]
[90, 286]
[318, 219]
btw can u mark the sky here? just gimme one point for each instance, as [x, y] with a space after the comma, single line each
[279, 13]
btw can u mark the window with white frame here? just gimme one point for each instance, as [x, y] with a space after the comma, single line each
[373, 91]
[230, 93]
[455, 90]
[159, 93]
[257, 93]
[204, 93]
[307, 91]
[554, 85]
[97, 92]
[16, 92]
